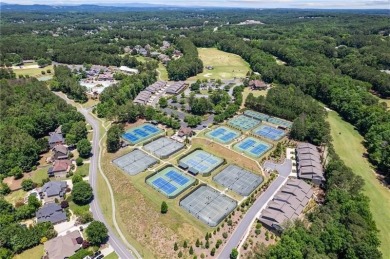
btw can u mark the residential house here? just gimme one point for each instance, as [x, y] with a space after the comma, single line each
[56, 138]
[60, 152]
[257, 85]
[63, 247]
[309, 163]
[60, 168]
[51, 212]
[185, 132]
[51, 191]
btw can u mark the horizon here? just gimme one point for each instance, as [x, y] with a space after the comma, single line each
[253, 4]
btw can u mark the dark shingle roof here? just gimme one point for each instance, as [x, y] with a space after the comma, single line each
[51, 212]
[54, 188]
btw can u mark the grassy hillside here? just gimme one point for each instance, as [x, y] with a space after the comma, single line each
[225, 65]
[348, 145]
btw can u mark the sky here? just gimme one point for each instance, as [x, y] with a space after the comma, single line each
[329, 4]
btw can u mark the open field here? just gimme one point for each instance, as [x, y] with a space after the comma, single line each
[39, 175]
[155, 233]
[162, 71]
[15, 196]
[34, 72]
[35, 252]
[225, 65]
[256, 93]
[348, 145]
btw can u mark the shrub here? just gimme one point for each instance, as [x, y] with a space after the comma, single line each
[79, 161]
[64, 204]
[28, 184]
[212, 251]
[175, 247]
[180, 254]
[164, 207]
[225, 235]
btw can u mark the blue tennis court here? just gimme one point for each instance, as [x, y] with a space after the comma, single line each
[170, 181]
[252, 147]
[140, 133]
[243, 122]
[223, 134]
[280, 122]
[177, 178]
[164, 185]
[201, 162]
[269, 132]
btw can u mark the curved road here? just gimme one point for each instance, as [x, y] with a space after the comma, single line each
[116, 243]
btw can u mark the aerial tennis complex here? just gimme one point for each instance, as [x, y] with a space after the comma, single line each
[238, 180]
[253, 147]
[163, 147]
[269, 132]
[140, 133]
[208, 205]
[200, 162]
[223, 134]
[170, 181]
[135, 162]
[243, 122]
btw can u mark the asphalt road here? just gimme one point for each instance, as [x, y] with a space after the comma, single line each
[245, 224]
[116, 243]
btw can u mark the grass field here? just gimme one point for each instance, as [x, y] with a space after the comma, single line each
[163, 73]
[32, 253]
[34, 72]
[40, 174]
[83, 170]
[225, 65]
[348, 145]
[77, 209]
[15, 196]
[387, 101]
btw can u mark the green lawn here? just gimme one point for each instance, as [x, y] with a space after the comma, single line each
[15, 196]
[225, 65]
[32, 253]
[40, 174]
[348, 145]
[113, 255]
[162, 72]
[83, 170]
[34, 72]
[77, 209]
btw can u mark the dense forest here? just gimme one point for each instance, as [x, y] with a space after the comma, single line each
[29, 111]
[313, 58]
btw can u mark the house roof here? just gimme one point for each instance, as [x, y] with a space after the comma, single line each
[287, 204]
[306, 145]
[55, 137]
[257, 83]
[185, 130]
[54, 188]
[51, 212]
[301, 157]
[61, 165]
[61, 148]
[63, 246]
[304, 163]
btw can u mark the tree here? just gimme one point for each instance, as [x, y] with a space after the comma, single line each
[84, 148]
[27, 185]
[191, 251]
[77, 178]
[175, 246]
[164, 207]
[97, 233]
[5, 253]
[234, 254]
[174, 99]
[42, 62]
[185, 244]
[17, 172]
[113, 137]
[82, 193]
[180, 254]
[163, 102]
[33, 202]
[79, 161]
[197, 243]
[4, 189]
[212, 253]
